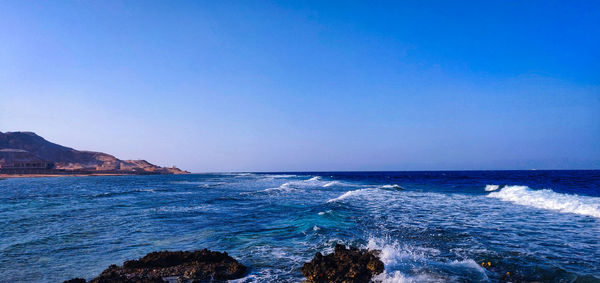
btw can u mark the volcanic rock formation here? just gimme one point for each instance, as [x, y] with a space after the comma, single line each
[343, 265]
[179, 266]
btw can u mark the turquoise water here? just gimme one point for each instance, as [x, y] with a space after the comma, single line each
[431, 227]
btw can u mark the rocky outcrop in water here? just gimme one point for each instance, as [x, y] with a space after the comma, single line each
[343, 265]
[179, 266]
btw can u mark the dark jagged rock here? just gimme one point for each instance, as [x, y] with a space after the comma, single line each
[343, 265]
[183, 266]
[118, 274]
[197, 265]
[75, 280]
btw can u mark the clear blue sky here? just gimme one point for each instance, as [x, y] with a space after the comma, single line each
[308, 85]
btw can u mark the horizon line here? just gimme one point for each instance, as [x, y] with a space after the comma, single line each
[391, 171]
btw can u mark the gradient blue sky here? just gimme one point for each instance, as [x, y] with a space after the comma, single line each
[308, 85]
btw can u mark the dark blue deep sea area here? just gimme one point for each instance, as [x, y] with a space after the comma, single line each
[430, 226]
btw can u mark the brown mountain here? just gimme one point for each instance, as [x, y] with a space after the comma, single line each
[12, 145]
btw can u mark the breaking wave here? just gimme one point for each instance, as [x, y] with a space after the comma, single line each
[280, 176]
[415, 259]
[285, 188]
[393, 187]
[332, 183]
[339, 183]
[394, 253]
[353, 193]
[365, 191]
[292, 186]
[548, 199]
[491, 188]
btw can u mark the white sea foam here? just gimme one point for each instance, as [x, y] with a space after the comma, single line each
[399, 277]
[338, 183]
[393, 253]
[285, 187]
[281, 176]
[354, 193]
[277, 252]
[315, 178]
[332, 183]
[237, 175]
[394, 186]
[469, 264]
[491, 188]
[365, 192]
[393, 277]
[548, 199]
[293, 186]
[396, 257]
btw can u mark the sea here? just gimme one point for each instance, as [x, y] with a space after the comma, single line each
[455, 226]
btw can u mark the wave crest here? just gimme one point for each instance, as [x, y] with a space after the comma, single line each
[392, 187]
[491, 188]
[353, 193]
[286, 188]
[366, 191]
[332, 183]
[548, 199]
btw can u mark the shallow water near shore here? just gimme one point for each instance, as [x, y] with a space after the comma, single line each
[430, 226]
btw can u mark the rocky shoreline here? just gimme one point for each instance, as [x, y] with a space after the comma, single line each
[29, 155]
[73, 174]
[351, 265]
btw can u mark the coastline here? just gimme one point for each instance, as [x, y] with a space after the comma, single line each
[298, 215]
[7, 176]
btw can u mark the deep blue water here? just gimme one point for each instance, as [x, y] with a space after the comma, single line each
[536, 225]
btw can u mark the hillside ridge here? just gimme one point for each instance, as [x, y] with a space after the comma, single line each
[65, 158]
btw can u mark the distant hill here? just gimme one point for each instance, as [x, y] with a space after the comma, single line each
[68, 158]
